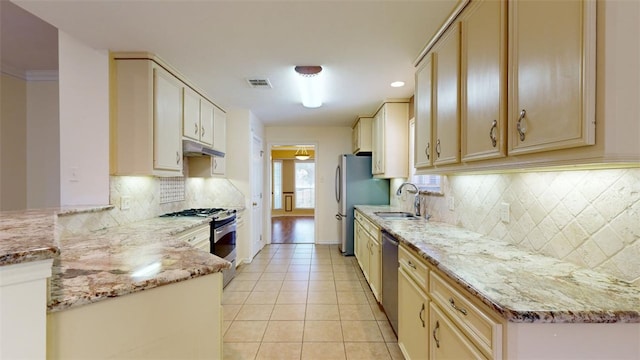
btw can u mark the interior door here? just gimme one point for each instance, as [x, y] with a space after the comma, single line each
[257, 241]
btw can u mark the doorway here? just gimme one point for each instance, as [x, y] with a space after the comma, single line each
[293, 194]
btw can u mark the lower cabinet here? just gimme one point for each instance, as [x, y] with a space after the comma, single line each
[447, 341]
[413, 317]
[369, 253]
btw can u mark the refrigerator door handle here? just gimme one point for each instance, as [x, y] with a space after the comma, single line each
[340, 216]
[338, 185]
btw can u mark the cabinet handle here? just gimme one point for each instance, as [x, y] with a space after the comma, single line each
[420, 314]
[411, 264]
[521, 127]
[177, 157]
[492, 133]
[438, 149]
[195, 132]
[435, 335]
[453, 305]
[202, 131]
[426, 151]
[215, 164]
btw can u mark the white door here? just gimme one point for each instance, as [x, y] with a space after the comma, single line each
[257, 241]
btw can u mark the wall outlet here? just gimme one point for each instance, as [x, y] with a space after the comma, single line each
[504, 212]
[74, 174]
[452, 203]
[125, 202]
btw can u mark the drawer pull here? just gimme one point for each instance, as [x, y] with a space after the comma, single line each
[453, 305]
[435, 335]
[412, 265]
[420, 315]
[522, 128]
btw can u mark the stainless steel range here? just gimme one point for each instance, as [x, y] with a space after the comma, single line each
[222, 237]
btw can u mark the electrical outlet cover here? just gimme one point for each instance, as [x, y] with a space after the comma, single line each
[125, 202]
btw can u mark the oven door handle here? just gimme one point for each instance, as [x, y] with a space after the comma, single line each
[224, 230]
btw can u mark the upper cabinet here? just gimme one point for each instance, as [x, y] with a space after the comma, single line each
[423, 113]
[390, 155]
[552, 103]
[146, 119]
[361, 135]
[219, 140]
[197, 121]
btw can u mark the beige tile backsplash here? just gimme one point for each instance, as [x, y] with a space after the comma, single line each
[590, 218]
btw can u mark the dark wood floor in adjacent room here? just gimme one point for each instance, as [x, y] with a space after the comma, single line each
[292, 230]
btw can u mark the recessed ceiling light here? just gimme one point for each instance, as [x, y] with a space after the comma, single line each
[397, 84]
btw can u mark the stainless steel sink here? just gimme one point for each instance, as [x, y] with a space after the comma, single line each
[396, 215]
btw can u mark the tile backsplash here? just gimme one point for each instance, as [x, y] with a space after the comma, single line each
[590, 218]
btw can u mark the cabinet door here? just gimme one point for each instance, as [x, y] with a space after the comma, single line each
[422, 136]
[357, 241]
[206, 122]
[447, 114]
[552, 71]
[413, 317]
[167, 121]
[219, 129]
[191, 114]
[355, 138]
[375, 268]
[483, 71]
[366, 254]
[377, 155]
[218, 165]
[447, 341]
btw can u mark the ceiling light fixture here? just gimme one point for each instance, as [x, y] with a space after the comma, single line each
[302, 153]
[397, 84]
[310, 85]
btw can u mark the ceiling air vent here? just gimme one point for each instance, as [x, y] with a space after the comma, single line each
[259, 83]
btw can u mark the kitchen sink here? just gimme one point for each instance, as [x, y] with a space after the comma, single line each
[396, 215]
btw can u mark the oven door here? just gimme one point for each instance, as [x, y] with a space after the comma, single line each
[223, 242]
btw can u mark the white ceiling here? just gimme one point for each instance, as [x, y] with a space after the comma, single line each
[363, 46]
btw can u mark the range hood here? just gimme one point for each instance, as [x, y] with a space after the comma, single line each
[192, 148]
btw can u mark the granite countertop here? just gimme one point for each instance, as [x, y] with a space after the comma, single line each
[517, 284]
[107, 263]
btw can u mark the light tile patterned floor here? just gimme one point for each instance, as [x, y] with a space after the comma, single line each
[304, 301]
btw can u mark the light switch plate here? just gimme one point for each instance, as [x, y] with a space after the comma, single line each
[504, 212]
[125, 202]
[452, 203]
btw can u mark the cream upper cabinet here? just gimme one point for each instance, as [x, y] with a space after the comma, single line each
[390, 155]
[361, 135]
[446, 124]
[423, 148]
[552, 73]
[219, 140]
[483, 87]
[146, 119]
[447, 341]
[413, 318]
[206, 122]
[197, 123]
[167, 105]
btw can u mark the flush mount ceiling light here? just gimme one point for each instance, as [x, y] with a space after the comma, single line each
[397, 84]
[302, 153]
[309, 79]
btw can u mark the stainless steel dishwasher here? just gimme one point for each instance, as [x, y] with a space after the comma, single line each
[390, 278]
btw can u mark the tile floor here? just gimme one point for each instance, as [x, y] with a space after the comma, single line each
[304, 301]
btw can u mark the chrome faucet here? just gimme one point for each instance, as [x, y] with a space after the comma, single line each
[416, 199]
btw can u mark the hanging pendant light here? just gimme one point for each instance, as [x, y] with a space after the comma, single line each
[302, 153]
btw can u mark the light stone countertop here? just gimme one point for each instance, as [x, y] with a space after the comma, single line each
[107, 263]
[517, 284]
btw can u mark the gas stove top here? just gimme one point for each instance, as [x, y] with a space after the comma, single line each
[217, 213]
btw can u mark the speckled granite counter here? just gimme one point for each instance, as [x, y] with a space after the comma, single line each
[112, 262]
[519, 285]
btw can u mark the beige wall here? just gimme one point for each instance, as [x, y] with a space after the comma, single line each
[13, 136]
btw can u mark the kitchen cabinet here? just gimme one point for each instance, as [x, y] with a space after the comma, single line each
[361, 137]
[197, 121]
[423, 149]
[446, 123]
[483, 86]
[390, 153]
[413, 315]
[198, 237]
[447, 342]
[552, 78]
[219, 140]
[369, 252]
[146, 119]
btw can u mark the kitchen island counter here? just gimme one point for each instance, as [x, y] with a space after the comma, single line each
[519, 285]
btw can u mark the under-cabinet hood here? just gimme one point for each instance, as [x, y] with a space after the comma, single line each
[192, 148]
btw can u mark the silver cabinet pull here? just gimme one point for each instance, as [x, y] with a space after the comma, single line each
[420, 314]
[196, 129]
[435, 335]
[521, 127]
[492, 133]
[438, 148]
[453, 305]
[177, 157]
[426, 150]
[412, 265]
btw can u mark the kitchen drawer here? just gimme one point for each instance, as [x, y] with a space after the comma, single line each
[197, 237]
[484, 331]
[416, 268]
[367, 224]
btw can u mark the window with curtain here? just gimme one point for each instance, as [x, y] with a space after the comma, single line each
[277, 185]
[305, 184]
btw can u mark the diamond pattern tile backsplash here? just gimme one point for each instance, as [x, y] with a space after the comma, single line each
[590, 218]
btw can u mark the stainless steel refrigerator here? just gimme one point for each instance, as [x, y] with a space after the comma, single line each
[355, 185]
